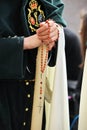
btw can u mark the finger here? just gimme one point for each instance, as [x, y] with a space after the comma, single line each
[43, 33]
[53, 36]
[44, 37]
[42, 29]
[51, 22]
[53, 28]
[54, 33]
[51, 45]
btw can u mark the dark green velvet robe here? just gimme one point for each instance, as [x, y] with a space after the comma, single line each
[13, 61]
[13, 27]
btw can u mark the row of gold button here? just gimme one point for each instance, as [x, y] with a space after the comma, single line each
[28, 96]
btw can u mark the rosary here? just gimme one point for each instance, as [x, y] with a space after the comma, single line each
[43, 64]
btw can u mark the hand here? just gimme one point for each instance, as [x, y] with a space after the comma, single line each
[48, 33]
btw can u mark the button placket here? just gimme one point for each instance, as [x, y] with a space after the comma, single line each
[29, 90]
[27, 97]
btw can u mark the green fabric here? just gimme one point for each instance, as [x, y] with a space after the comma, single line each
[11, 42]
[54, 10]
[13, 23]
[13, 29]
[13, 101]
[11, 58]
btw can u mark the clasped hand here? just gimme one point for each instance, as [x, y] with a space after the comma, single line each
[48, 33]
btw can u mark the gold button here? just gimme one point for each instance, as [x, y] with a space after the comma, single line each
[26, 109]
[24, 123]
[27, 83]
[28, 95]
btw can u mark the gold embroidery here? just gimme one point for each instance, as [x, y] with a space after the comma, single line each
[35, 15]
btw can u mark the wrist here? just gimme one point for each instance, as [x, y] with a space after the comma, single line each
[32, 42]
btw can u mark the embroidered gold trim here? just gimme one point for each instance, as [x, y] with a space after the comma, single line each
[35, 15]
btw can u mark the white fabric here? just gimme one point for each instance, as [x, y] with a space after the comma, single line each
[50, 76]
[59, 113]
[39, 90]
[83, 101]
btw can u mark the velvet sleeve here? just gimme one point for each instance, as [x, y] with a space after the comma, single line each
[54, 10]
[11, 58]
